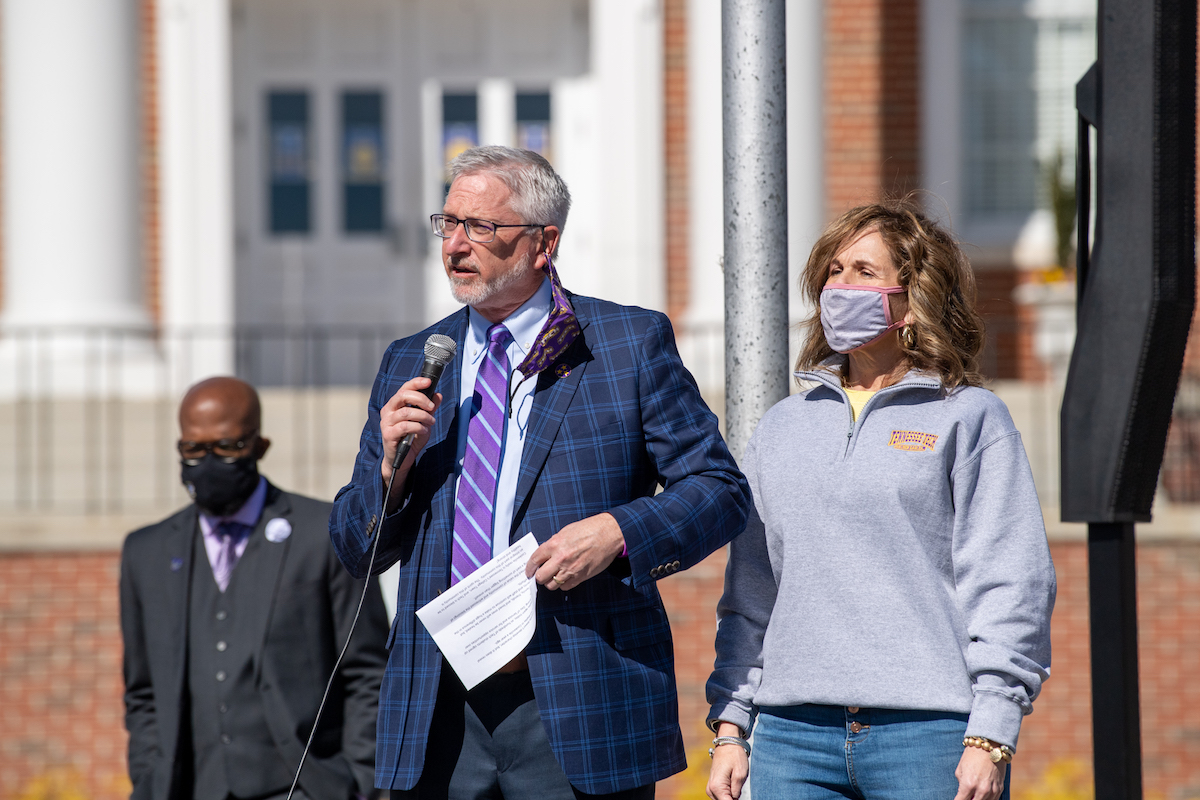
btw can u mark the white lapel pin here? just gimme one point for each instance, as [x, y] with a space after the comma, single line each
[278, 529]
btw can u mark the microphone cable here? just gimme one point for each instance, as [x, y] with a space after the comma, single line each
[439, 351]
[353, 624]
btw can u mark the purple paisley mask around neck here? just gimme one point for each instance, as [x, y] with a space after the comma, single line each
[560, 330]
[855, 316]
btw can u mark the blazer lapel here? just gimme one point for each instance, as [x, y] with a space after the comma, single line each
[444, 426]
[264, 563]
[442, 447]
[180, 546]
[555, 390]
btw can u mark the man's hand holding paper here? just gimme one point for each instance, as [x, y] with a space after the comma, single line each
[483, 621]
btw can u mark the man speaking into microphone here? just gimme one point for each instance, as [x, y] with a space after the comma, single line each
[559, 415]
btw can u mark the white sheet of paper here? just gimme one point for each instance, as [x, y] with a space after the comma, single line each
[482, 622]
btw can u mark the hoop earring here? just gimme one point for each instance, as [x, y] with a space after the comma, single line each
[908, 338]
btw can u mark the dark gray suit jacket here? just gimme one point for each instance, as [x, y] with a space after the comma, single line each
[302, 613]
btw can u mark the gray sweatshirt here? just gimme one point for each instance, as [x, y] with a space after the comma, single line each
[897, 561]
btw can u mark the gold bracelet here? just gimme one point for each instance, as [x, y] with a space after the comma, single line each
[997, 752]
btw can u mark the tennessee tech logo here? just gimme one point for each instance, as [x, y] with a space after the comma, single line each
[912, 440]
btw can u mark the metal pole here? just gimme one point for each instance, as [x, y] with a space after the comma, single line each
[1116, 727]
[754, 110]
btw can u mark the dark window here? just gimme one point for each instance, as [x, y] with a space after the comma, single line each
[460, 126]
[362, 162]
[289, 145]
[533, 122]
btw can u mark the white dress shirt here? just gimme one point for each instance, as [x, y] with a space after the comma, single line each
[524, 324]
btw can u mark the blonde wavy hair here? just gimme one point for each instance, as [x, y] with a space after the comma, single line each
[938, 278]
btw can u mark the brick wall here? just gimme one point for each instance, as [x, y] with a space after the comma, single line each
[61, 714]
[872, 103]
[675, 155]
[60, 675]
[148, 152]
[1002, 355]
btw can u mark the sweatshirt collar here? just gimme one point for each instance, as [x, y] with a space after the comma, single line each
[828, 373]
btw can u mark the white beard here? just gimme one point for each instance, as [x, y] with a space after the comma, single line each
[471, 292]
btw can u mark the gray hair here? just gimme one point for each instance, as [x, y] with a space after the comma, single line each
[539, 195]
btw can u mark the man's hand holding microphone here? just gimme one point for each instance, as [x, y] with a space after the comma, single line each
[406, 420]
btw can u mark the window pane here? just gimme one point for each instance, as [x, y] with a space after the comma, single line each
[460, 127]
[363, 158]
[288, 180]
[1065, 49]
[1000, 119]
[533, 122]
[1019, 76]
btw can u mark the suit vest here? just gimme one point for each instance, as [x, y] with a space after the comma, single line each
[232, 748]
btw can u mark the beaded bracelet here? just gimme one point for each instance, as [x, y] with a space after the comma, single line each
[997, 752]
[720, 740]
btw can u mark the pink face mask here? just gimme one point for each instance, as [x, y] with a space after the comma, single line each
[854, 316]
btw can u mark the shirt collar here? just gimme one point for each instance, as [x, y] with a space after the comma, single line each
[830, 370]
[248, 514]
[524, 324]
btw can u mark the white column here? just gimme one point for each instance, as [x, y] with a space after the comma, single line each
[497, 112]
[613, 244]
[806, 151]
[70, 151]
[805, 119]
[805, 134]
[196, 172]
[438, 300]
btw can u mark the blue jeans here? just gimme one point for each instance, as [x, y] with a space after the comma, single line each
[814, 752]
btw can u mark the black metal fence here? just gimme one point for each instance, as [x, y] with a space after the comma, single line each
[88, 418]
[87, 415]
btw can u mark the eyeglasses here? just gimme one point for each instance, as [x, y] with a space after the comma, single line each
[479, 231]
[228, 450]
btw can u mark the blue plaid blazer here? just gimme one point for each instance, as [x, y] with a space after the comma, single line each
[617, 416]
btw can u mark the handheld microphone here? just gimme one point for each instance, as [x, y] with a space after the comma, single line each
[439, 351]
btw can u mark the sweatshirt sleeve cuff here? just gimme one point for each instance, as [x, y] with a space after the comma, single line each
[995, 716]
[729, 712]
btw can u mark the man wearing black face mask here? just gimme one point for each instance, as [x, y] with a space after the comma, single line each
[233, 612]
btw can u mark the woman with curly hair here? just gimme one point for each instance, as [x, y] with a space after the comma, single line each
[886, 618]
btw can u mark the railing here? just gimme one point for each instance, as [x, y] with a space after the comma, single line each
[88, 418]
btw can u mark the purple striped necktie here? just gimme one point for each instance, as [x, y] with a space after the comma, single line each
[230, 533]
[474, 506]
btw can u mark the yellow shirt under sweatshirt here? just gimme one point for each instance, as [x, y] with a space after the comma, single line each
[858, 399]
